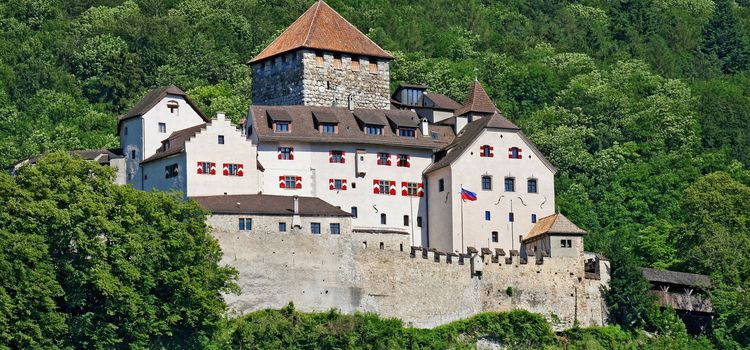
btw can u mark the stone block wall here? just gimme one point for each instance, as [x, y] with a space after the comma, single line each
[297, 78]
[423, 289]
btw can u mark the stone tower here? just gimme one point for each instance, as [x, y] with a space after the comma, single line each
[321, 60]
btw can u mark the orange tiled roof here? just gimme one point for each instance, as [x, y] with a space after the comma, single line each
[554, 224]
[478, 101]
[322, 28]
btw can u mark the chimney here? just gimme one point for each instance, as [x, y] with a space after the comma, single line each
[425, 126]
[350, 102]
[220, 116]
[296, 219]
[296, 205]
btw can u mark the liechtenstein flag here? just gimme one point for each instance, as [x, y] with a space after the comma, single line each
[468, 195]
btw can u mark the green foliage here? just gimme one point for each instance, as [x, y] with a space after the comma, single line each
[94, 265]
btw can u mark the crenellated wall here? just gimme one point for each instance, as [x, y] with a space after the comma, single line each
[422, 288]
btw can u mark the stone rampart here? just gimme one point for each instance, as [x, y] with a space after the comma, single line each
[422, 288]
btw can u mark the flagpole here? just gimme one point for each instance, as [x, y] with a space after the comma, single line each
[462, 218]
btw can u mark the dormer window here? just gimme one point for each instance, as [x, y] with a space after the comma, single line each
[374, 130]
[173, 106]
[327, 128]
[282, 127]
[407, 132]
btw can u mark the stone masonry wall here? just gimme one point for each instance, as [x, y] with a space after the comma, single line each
[322, 272]
[278, 81]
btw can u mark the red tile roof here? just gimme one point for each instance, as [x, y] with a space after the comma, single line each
[553, 224]
[322, 28]
[478, 101]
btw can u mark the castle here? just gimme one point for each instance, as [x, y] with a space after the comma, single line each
[336, 193]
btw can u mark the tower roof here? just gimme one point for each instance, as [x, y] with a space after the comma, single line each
[322, 28]
[554, 224]
[477, 101]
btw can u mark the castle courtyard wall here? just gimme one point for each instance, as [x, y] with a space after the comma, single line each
[318, 273]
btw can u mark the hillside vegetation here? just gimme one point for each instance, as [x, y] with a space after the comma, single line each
[642, 105]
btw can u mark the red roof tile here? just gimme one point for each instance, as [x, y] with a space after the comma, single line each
[478, 101]
[322, 28]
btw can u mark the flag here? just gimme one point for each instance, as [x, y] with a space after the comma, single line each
[468, 195]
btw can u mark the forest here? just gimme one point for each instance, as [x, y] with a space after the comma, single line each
[642, 105]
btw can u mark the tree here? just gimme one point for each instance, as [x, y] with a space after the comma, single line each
[137, 269]
[724, 38]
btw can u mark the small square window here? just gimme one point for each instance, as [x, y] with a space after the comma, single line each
[282, 127]
[494, 237]
[511, 217]
[335, 229]
[282, 227]
[328, 128]
[531, 186]
[510, 184]
[290, 182]
[162, 128]
[487, 215]
[337, 184]
[246, 224]
[221, 139]
[285, 153]
[533, 218]
[384, 187]
[566, 243]
[487, 183]
[315, 228]
[354, 212]
[441, 185]
[337, 156]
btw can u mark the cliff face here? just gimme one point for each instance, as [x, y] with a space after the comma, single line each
[352, 273]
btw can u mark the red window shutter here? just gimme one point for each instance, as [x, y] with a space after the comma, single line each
[240, 170]
[200, 167]
[213, 168]
[519, 153]
[404, 191]
[510, 152]
[343, 184]
[330, 156]
[375, 187]
[279, 153]
[408, 161]
[342, 158]
[492, 151]
[225, 168]
[299, 182]
[291, 153]
[393, 188]
[481, 151]
[389, 159]
[330, 184]
[420, 190]
[282, 184]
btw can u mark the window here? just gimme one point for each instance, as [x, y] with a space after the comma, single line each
[494, 236]
[487, 215]
[486, 151]
[126, 131]
[132, 154]
[221, 139]
[328, 128]
[246, 224]
[374, 130]
[335, 229]
[412, 189]
[290, 181]
[337, 184]
[404, 132]
[384, 158]
[337, 61]
[337, 156]
[354, 212]
[531, 185]
[403, 161]
[566, 243]
[406, 220]
[162, 128]
[233, 169]
[205, 168]
[319, 59]
[373, 67]
[384, 187]
[355, 64]
[514, 153]
[315, 228]
[510, 184]
[434, 135]
[487, 183]
[282, 227]
[170, 171]
[441, 185]
[419, 221]
[511, 217]
[173, 106]
[382, 219]
[282, 127]
[533, 218]
[285, 153]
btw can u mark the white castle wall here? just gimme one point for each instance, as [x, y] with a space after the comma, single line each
[322, 272]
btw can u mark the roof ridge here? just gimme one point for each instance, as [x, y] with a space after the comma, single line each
[312, 22]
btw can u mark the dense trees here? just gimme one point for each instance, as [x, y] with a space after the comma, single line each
[88, 264]
[643, 106]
